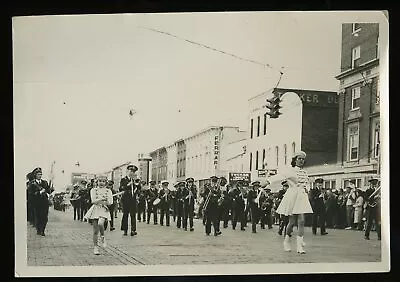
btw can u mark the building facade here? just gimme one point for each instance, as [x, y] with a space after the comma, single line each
[309, 122]
[144, 167]
[118, 173]
[159, 165]
[180, 160]
[359, 108]
[172, 163]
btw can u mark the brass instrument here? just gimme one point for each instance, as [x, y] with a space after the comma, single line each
[373, 199]
[207, 201]
[257, 200]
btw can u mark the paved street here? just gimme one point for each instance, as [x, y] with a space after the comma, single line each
[69, 243]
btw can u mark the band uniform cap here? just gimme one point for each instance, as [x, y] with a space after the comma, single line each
[319, 180]
[190, 179]
[223, 179]
[83, 182]
[373, 179]
[214, 177]
[182, 183]
[133, 167]
[255, 182]
[300, 154]
[152, 182]
[37, 170]
[164, 183]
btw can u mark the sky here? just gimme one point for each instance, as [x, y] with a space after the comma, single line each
[77, 77]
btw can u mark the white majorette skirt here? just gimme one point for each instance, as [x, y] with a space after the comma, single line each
[97, 211]
[295, 201]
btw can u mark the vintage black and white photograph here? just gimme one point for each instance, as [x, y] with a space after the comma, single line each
[201, 143]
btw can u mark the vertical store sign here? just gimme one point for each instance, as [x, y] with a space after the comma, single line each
[216, 151]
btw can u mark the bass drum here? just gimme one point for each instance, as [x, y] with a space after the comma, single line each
[156, 202]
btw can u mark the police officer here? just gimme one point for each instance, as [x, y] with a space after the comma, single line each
[373, 208]
[189, 198]
[251, 200]
[318, 206]
[41, 192]
[236, 195]
[165, 203]
[212, 207]
[128, 199]
[151, 195]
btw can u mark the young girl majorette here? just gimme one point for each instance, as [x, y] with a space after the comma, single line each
[101, 198]
[295, 203]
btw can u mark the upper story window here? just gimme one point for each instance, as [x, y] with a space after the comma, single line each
[277, 155]
[285, 154]
[256, 160]
[265, 124]
[353, 142]
[355, 98]
[251, 161]
[251, 128]
[355, 27]
[293, 148]
[355, 56]
[258, 126]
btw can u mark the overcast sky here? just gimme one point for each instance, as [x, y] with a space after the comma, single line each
[77, 77]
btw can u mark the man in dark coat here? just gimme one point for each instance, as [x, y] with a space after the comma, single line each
[236, 195]
[212, 209]
[41, 192]
[189, 197]
[319, 210]
[128, 199]
[151, 195]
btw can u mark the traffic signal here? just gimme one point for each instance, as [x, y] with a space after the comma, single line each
[274, 106]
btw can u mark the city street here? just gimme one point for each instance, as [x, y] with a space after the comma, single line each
[69, 243]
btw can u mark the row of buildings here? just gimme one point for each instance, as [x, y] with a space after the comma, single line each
[339, 131]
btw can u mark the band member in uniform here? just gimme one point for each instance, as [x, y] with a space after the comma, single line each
[295, 202]
[283, 219]
[84, 197]
[142, 204]
[316, 197]
[203, 196]
[29, 200]
[76, 202]
[98, 213]
[265, 209]
[252, 202]
[151, 195]
[190, 196]
[212, 206]
[236, 194]
[41, 192]
[373, 208]
[174, 201]
[226, 202]
[165, 202]
[128, 199]
[179, 203]
[113, 206]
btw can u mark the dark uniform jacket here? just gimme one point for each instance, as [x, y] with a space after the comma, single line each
[165, 199]
[316, 201]
[38, 198]
[236, 197]
[251, 195]
[129, 197]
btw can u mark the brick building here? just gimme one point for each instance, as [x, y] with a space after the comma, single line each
[309, 122]
[359, 113]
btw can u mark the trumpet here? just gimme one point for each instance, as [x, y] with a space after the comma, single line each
[257, 200]
[206, 202]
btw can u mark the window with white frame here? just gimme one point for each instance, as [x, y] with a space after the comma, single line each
[377, 139]
[355, 57]
[355, 27]
[353, 142]
[355, 98]
[378, 96]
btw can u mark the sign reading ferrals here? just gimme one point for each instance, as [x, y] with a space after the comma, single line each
[216, 151]
[236, 176]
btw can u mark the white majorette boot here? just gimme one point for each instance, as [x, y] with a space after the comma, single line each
[286, 244]
[103, 242]
[300, 245]
[96, 250]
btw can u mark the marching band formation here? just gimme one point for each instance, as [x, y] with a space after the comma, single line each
[97, 203]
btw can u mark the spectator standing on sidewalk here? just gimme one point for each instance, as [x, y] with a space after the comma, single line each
[358, 210]
[101, 198]
[350, 201]
[341, 210]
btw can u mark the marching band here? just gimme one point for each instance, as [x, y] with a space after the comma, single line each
[218, 201]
